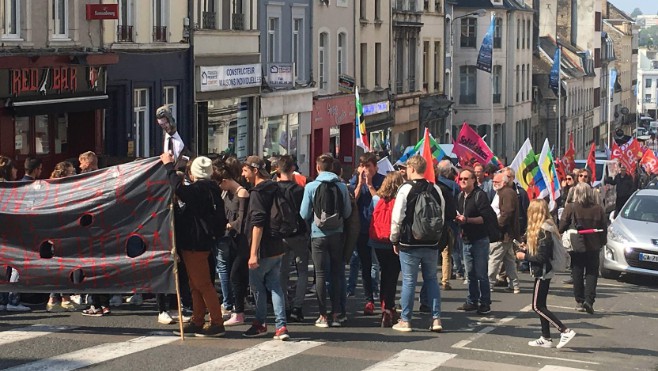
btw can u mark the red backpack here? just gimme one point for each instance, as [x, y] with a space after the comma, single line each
[380, 223]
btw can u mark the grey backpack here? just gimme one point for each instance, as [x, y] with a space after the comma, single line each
[427, 222]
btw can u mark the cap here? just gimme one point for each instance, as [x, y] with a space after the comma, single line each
[257, 163]
[201, 168]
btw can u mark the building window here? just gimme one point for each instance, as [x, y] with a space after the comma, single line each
[523, 83]
[342, 54]
[437, 65]
[60, 12]
[468, 32]
[528, 34]
[298, 46]
[169, 99]
[497, 75]
[125, 27]
[323, 67]
[362, 9]
[528, 81]
[523, 34]
[647, 83]
[378, 10]
[159, 21]
[498, 33]
[378, 64]
[141, 114]
[437, 6]
[206, 14]
[518, 88]
[399, 65]
[426, 5]
[364, 64]
[426, 63]
[467, 85]
[11, 19]
[412, 65]
[273, 40]
[518, 34]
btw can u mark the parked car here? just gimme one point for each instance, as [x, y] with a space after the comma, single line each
[607, 192]
[633, 238]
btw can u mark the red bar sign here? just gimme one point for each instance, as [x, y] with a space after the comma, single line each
[102, 11]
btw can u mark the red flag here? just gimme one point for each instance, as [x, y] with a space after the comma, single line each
[650, 162]
[426, 152]
[569, 158]
[561, 170]
[591, 161]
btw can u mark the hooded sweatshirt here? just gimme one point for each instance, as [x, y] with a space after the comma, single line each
[261, 198]
[306, 210]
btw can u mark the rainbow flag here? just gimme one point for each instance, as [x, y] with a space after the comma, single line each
[361, 135]
[527, 171]
[549, 174]
[437, 152]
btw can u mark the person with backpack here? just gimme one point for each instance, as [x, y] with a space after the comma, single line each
[416, 230]
[381, 211]
[325, 205]
[297, 245]
[474, 212]
[205, 208]
[544, 251]
[266, 225]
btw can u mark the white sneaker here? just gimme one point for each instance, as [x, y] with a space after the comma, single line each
[566, 337]
[78, 299]
[541, 342]
[165, 318]
[115, 301]
[135, 300]
[18, 308]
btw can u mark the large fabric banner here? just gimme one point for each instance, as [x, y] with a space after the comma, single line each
[485, 56]
[107, 231]
[471, 148]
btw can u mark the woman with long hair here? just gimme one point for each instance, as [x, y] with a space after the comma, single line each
[8, 169]
[541, 237]
[389, 262]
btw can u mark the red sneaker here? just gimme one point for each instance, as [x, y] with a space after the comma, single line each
[369, 310]
[281, 334]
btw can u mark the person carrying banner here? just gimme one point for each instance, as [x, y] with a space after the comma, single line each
[625, 187]
[33, 167]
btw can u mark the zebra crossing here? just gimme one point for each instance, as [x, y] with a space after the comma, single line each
[259, 356]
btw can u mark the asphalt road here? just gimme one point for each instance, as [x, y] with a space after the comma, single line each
[621, 335]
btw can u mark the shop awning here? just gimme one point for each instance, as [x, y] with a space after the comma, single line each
[33, 107]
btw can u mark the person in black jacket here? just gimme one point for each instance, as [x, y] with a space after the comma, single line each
[199, 197]
[538, 250]
[625, 187]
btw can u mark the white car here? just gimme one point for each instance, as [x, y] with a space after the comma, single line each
[633, 238]
[607, 192]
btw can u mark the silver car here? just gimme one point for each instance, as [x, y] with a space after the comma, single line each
[633, 238]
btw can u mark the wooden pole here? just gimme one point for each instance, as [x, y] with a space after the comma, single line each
[175, 257]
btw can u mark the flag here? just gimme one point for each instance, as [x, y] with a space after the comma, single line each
[591, 162]
[526, 170]
[554, 77]
[471, 148]
[361, 136]
[437, 152]
[408, 152]
[384, 166]
[569, 158]
[613, 78]
[426, 152]
[485, 57]
[560, 169]
[549, 174]
[649, 162]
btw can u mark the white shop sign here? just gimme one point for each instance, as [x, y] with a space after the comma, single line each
[230, 77]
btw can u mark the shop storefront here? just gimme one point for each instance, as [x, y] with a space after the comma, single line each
[333, 129]
[378, 115]
[51, 106]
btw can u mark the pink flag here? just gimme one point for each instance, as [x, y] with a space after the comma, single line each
[471, 147]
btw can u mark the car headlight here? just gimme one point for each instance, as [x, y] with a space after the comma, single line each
[616, 235]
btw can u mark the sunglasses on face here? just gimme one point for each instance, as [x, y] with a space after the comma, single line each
[583, 176]
[464, 179]
[569, 178]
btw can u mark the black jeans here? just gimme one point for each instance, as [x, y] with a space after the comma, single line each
[240, 273]
[619, 203]
[328, 251]
[389, 263]
[585, 273]
[546, 317]
[166, 302]
[365, 255]
[100, 300]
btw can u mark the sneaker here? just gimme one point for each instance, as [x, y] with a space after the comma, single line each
[165, 318]
[459, 276]
[256, 330]
[542, 342]
[387, 319]
[484, 309]
[53, 307]
[446, 286]
[517, 290]
[402, 326]
[436, 325]
[296, 314]
[566, 337]
[212, 330]
[588, 308]
[115, 301]
[106, 310]
[425, 309]
[465, 282]
[568, 281]
[92, 311]
[174, 316]
[79, 299]
[321, 322]
[235, 320]
[69, 306]
[369, 310]
[281, 334]
[398, 308]
[467, 307]
[190, 329]
[226, 313]
[341, 318]
[135, 300]
[334, 322]
[17, 308]
[580, 307]
[375, 296]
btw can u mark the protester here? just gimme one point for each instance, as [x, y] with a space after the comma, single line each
[585, 213]
[265, 252]
[625, 187]
[33, 167]
[326, 204]
[483, 182]
[542, 237]
[568, 183]
[88, 162]
[8, 169]
[452, 249]
[416, 248]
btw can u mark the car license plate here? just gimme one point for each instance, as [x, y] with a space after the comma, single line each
[648, 258]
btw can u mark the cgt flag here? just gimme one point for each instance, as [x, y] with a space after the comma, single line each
[485, 57]
[591, 162]
[361, 135]
[569, 158]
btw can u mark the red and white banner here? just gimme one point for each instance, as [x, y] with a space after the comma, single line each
[628, 154]
[649, 162]
[471, 148]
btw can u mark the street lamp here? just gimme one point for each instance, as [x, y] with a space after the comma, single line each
[478, 13]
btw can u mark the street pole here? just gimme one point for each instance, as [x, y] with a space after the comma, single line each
[610, 92]
[559, 101]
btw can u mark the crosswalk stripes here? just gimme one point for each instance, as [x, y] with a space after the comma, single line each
[412, 360]
[30, 332]
[257, 356]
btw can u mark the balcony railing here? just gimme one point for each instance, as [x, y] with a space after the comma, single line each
[238, 21]
[399, 87]
[160, 33]
[412, 83]
[208, 21]
[125, 33]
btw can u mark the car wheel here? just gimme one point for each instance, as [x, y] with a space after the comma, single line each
[607, 273]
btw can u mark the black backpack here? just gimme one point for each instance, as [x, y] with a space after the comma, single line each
[212, 220]
[288, 189]
[328, 206]
[283, 215]
[425, 224]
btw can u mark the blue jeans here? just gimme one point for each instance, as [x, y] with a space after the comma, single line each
[458, 252]
[355, 267]
[267, 277]
[409, 261]
[10, 298]
[476, 260]
[224, 258]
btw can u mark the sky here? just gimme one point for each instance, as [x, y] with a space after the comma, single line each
[647, 6]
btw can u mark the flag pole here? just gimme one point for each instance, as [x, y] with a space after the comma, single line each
[493, 68]
[609, 96]
[559, 98]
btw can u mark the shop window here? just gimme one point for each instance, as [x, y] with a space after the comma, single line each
[281, 135]
[23, 138]
[61, 136]
[60, 18]
[170, 100]
[11, 19]
[228, 126]
[141, 122]
[41, 137]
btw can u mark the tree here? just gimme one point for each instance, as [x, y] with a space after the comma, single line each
[647, 34]
[636, 12]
